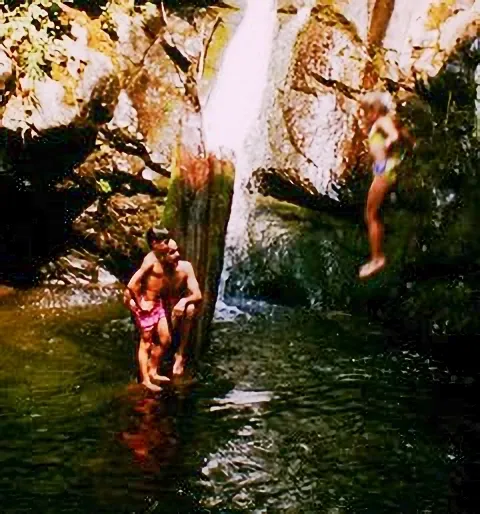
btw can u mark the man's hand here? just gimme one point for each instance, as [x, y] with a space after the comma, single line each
[127, 296]
[179, 309]
[130, 301]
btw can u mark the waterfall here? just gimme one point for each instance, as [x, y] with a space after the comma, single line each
[236, 98]
[235, 102]
[255, 65]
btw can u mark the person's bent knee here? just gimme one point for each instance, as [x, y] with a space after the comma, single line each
[190, 311]
[165, 340]
[156, 351]
[164, 333]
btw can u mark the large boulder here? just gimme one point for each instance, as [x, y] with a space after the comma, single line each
[341, 50]
[81, 86]
[314, 116]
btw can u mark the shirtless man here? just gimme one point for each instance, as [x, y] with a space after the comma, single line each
[162, 294]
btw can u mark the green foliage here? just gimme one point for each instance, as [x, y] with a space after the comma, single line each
[31, 34]
[104, 186]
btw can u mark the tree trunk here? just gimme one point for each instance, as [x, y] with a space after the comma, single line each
[196, 212]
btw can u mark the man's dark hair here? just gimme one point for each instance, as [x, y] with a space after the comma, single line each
[157, 235]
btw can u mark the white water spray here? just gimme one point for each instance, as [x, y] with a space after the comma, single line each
[236, 98]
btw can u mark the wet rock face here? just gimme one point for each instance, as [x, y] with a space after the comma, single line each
[344, 49]
[318, 105]
[108, 118]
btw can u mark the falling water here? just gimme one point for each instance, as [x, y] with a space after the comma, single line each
[236, 98]
[255, 66]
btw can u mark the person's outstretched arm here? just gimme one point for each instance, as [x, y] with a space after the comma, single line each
[388, 126]
[133, 287]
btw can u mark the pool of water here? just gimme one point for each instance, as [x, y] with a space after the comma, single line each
[290, 412]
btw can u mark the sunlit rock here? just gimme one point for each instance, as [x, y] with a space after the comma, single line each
[421, 35]
[358, 13]
[159, 90]
[134, 32]
[124, 116]
[6, 70]
[77, 268]
[317, 105]
[84, 83]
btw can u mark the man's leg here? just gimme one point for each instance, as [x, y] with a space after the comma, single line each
[143, 358]
[158, 351]
[185, 326]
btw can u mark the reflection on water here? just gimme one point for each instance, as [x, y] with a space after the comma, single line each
[151, 437]
[291, 413]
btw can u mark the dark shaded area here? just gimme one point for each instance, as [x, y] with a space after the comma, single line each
[36, 218]
[92, 7]
[439, 276]
[186, 8]
[438, 279]
[287, 185]
[348, 420]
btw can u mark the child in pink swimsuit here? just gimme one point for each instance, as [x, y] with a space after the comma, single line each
[147, 320]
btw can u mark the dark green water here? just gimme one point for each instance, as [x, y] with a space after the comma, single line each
[291, 413]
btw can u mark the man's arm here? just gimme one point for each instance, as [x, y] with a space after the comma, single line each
[135, 282]
[192, 285]
[195, 295]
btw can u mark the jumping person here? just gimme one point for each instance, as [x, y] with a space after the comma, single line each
[385, 142]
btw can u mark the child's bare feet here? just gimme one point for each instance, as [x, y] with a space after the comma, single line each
[179, 365]
[152, 387]
[372, 267]
[159, 378]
